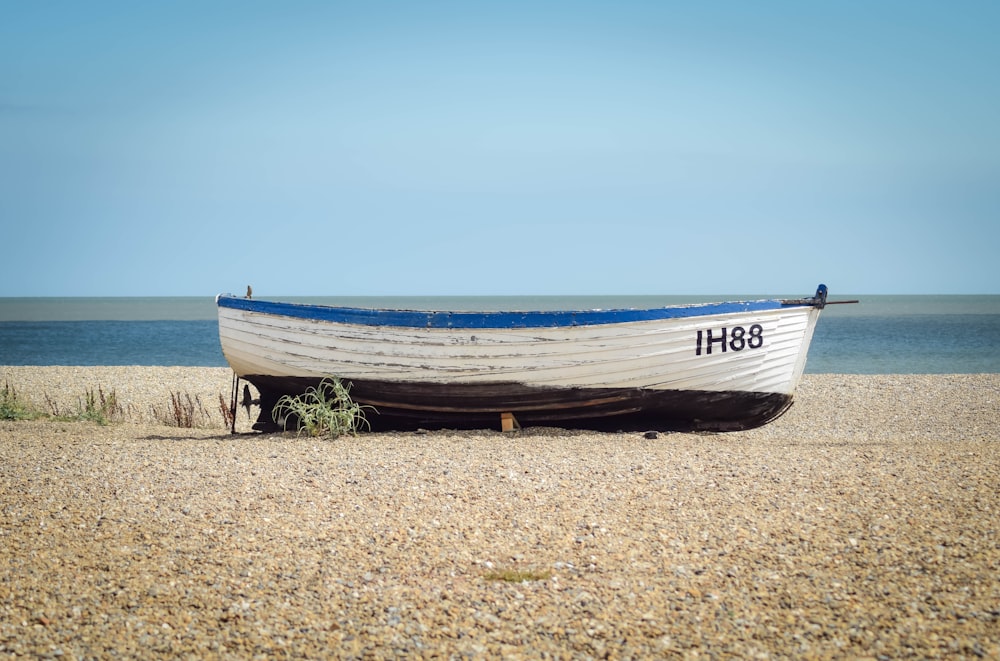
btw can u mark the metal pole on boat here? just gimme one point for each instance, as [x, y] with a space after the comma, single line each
[819, 300]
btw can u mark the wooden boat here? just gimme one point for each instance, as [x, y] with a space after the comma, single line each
[710, 366]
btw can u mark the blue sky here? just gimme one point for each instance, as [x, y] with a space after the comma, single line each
[522, 148]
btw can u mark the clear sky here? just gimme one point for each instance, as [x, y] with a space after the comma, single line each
[484, 148]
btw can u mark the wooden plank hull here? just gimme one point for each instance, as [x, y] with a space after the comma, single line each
[432, 406]
[709, 367]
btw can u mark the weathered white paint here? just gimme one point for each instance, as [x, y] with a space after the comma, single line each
[658, 354]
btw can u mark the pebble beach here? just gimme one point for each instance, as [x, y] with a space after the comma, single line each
[864, 523]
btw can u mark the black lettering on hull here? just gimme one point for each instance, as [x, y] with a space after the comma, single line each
[736, 339]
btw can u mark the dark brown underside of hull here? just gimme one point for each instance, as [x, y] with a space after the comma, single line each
[409, 406]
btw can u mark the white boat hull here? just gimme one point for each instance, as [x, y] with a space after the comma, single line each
[726, 370]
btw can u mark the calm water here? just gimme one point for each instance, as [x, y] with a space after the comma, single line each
[880, 335]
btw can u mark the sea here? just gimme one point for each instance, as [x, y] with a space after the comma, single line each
[881, 334]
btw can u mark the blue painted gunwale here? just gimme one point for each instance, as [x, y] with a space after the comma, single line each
[499, 320]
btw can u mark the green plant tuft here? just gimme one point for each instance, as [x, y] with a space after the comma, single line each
[326, 410]
[98, 407]
[11, 407]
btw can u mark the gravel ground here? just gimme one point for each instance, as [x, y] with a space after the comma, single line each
[862, 524]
